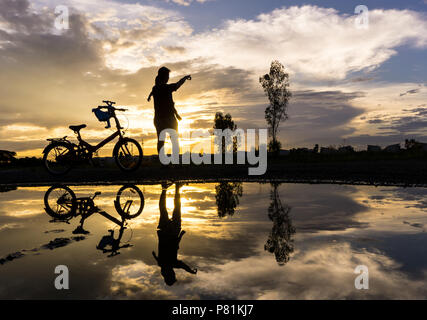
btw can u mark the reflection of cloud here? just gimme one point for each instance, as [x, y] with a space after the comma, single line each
[335, 232]
[139, 281]
[318, 273]
[9, 226]
[411, 197]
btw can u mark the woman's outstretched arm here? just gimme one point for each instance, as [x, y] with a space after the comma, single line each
[181, 82]
[186, 267]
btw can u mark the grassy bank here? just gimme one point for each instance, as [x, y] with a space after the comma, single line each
[404, 169]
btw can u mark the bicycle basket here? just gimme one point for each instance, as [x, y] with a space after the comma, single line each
[101, 115]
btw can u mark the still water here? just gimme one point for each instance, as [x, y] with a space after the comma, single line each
[246, 241]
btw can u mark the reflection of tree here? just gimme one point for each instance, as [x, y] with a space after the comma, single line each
[227, 197]
[225, 122]
[280, 240]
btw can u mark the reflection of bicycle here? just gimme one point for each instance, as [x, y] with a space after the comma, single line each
[61, 154]
[62, 204]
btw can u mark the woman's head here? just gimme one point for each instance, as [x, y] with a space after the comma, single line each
[168, 275]
[162, 76]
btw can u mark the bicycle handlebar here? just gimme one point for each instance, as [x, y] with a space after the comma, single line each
[112, 108]
[96, 194]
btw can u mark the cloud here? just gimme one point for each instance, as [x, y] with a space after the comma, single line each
[311, 41]
[413, 121]
[186, 2]
[375, 121]
[325, 115]
[174, 49]
[132, 34]
[393, 127]
[112, 51]
[413, 91]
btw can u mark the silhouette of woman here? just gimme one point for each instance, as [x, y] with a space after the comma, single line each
[170, 234]
[165, 114]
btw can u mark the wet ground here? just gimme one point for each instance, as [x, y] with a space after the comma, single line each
[246, 240]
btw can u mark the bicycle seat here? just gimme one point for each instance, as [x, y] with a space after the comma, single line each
[76, 129]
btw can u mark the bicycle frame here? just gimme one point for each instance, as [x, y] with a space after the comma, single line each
[86, 207]
[92, 148]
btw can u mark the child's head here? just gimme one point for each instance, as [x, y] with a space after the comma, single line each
[162, 76]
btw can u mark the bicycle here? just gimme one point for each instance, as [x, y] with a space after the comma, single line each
[60, 155]
[61, 203]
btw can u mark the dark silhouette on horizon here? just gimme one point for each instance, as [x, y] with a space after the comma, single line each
[7, 157]
[280, 241]
[165, 114]
[170, 234]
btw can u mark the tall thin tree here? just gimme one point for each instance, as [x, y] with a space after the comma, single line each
[276, 88]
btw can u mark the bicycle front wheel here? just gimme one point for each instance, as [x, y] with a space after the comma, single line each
[129, 201]
[128, 154]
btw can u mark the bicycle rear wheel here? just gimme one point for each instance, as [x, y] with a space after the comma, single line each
[128, 154]
[60, 202]
[57, 158]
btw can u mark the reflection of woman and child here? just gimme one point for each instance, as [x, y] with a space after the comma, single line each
[165, 114]
[170, 234]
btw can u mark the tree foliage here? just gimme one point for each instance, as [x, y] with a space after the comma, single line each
[276, 88]
[227, 197]
[224, 122]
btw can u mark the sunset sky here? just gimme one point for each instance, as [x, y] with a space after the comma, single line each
[350, 85]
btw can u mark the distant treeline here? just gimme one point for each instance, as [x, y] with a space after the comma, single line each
[8, 158]
[412, 150]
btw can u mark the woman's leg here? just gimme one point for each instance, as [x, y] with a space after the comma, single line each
[164, 216]
[176, 216]
[159, 129]
[162, 125]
